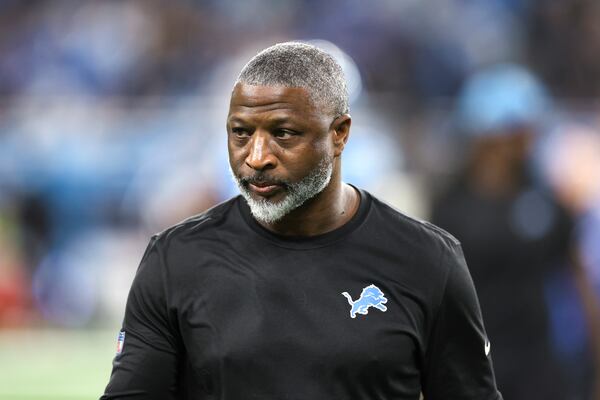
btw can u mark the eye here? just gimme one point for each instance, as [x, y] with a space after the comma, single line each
[285, 133]
[240, 132]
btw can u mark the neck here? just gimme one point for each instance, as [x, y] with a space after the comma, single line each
[328, 210]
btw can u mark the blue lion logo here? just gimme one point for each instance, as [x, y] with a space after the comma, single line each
[371, 296]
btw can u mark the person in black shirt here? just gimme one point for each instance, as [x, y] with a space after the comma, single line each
[304, 287]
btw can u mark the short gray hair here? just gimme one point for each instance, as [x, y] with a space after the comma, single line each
[297, 64]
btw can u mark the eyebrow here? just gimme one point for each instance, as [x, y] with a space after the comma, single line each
[280, 120]
[235, 119]
[271, 121]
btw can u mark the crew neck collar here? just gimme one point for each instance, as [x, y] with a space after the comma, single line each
[307, 242]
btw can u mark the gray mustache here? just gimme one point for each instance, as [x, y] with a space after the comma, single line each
[261, 180]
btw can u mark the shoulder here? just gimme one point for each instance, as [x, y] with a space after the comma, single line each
[425, 255]
[205, 223]
[408, 229]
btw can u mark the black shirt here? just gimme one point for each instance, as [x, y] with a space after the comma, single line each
[222, 308]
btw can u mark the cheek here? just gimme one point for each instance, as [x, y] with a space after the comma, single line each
[324, 145]
[231, 157]
[299, 164]
[322, 148]
[235, 155]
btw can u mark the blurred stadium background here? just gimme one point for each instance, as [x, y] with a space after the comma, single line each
[112, 128]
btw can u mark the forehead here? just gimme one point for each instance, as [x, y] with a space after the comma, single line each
[248, 100]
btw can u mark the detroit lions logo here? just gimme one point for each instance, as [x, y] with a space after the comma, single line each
[371, 296]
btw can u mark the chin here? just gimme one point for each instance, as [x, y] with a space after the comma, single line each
[266, 210]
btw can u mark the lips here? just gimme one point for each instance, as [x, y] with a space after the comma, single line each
[264, 188]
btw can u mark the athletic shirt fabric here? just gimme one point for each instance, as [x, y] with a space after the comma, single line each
[221, 308]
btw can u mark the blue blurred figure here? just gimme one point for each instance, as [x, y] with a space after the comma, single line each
[513, 232]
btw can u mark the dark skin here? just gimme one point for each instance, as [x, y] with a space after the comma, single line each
[277, 134]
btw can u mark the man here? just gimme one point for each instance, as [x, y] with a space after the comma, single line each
[304, 287]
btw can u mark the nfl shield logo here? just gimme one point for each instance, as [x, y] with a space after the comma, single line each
[120, 342]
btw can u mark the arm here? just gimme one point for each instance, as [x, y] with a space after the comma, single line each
[147, 366]
[458, 361]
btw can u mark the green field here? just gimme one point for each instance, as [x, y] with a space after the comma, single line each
[53, 364]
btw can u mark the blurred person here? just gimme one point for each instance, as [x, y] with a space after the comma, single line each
[15, 302]
[303, 286]
[572, 164]
[513, 232]
[34, 220]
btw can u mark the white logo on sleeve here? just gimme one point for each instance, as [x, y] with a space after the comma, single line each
[488, 345]
[120, 342]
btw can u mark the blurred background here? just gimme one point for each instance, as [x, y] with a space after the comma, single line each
[481, 116]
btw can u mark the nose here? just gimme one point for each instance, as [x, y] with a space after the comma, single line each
[260, 156]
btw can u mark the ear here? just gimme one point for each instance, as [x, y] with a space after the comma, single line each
[340, 127]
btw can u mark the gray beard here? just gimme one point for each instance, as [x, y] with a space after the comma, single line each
[298, 193]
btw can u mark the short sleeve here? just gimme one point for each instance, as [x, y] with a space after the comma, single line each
[458, 363]
[146, 366]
